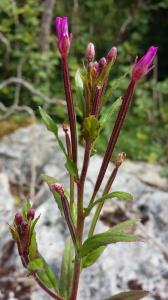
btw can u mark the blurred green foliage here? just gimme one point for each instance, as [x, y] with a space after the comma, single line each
[130, 25]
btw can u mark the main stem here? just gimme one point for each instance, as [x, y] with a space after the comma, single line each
[70, 107]
[80, 220]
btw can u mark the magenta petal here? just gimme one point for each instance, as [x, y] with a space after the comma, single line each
[65, 26]
[142, 67]
[64, 39]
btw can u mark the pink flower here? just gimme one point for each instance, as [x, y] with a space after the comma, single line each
[144, 65]
[64, 38]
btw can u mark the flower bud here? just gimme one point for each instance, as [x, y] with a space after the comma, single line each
[58, 188]
[18, 219]
[90, 52]
[144, 64]
[63, 37]
[112, 54]
[120, 158]
[102, 63]
[93, 68]
[31, 213]
[24, 225]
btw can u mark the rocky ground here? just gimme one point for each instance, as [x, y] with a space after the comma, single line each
[31, 151]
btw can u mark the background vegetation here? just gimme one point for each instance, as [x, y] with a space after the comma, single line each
[30, 66]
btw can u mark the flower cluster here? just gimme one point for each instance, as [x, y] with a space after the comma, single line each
[22, 230]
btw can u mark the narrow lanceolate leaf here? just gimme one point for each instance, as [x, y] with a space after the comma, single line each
[44, 272]
[33, 224]
[51, 126]
[80, 103]
[33, 251]
[118, 195]
[35, 264]
[126, 226]
[50, 180]
[26, 207]
[71, 167]
[104, 239]
[50, 274]
[92, 257]
[132, 295]
[66, 270]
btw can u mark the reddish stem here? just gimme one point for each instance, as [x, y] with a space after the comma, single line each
[70, 107]
[97, 101]
[114, 136]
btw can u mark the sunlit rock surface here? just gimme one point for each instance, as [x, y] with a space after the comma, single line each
[31, 151]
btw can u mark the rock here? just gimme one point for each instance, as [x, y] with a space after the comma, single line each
[31, 151]
[6, 209]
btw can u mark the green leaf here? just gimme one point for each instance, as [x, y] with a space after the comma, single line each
[51, 126]
[71, 167]
[26, 207]
[33, 251]
[104, 239]
[50, 274]
[92, 257]
[33, 224]
[35, 264]
[91, 128]
[126, 226]
[80, 103]
[117, 194]
[44, 278]
[50, 180]
[67, 270]
[132, 295]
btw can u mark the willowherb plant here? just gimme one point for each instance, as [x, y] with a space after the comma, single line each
[81, 253]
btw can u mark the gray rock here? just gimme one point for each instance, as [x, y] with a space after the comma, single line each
[121, 266]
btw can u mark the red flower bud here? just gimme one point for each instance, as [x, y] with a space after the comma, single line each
[90, 52]
[31, 213]
[58, 188]
[102, 63]
[63, 36]
[24, 225]
[144, 64]
[112, 54]
[18, 219]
